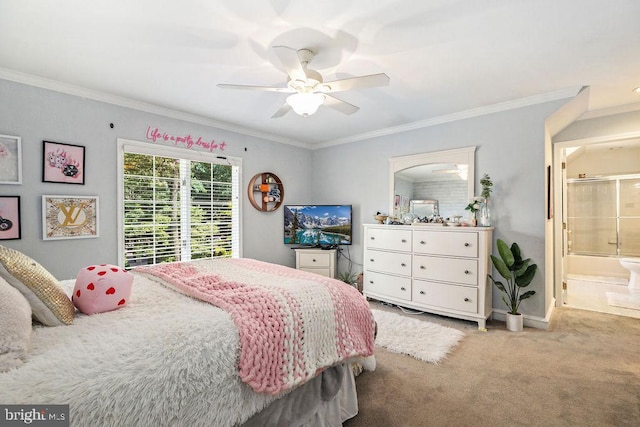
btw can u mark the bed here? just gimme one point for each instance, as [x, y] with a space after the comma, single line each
[180, 351]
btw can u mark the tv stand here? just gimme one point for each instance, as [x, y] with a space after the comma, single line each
[319, 260]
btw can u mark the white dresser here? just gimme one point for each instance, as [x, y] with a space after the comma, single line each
[437, 269]
[319, 261]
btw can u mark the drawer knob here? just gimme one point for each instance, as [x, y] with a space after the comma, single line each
[467, 272]
[313, 260]
[422, 267]
[422, 242]
[371, 260]
[466, 300]
[421, 292]
[403, 288]
[372, 238]
[467, 245]
[403, 265]
[404, 240]
[371, 281]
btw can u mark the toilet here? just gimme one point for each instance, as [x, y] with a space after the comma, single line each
[633, 265]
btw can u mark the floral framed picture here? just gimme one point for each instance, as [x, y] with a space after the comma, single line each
[10, 159]
[69, 217]
[63, 163]
[10, 217]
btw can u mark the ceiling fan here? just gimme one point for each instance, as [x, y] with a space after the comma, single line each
[307, 88]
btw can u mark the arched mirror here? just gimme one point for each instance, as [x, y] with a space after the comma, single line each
[442, 181]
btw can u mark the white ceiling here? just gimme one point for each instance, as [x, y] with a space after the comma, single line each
[446, 59]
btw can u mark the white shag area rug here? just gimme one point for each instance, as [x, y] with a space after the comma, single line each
[416, 337]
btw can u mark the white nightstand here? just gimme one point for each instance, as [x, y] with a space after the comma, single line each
[319, 261]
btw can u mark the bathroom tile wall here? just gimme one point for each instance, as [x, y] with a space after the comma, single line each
[451, 195]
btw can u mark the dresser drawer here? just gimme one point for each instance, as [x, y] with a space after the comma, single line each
[391, 239]
[388, 262]
[386, 284]
[464, 244]
[455, 270]
[453, 297]
[314, 260]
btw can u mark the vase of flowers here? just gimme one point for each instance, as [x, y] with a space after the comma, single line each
[485, 211]
[474, 206]
[485, 214]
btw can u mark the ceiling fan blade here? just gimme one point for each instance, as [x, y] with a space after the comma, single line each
[282, 111]
[291, 61]
[262, 88]
[362, 82]
[340, 105]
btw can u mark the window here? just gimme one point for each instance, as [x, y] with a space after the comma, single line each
[176, 205]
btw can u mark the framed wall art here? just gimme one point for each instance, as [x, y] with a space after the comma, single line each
[69, 217]
[63, 163]
[9, 217]
[10, 159]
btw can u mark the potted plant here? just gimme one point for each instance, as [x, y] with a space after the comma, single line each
[518, 274]
[348, 277]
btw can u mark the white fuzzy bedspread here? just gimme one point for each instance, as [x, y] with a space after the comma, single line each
[165, 359]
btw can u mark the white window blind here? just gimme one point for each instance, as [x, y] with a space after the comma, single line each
[178, 206]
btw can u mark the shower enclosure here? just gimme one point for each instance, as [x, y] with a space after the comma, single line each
[603, 216]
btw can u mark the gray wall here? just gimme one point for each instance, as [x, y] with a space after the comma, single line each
[37, 114]
[510, 149]
[606, 127]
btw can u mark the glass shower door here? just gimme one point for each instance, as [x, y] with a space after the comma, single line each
[629, 232]
[592, 217]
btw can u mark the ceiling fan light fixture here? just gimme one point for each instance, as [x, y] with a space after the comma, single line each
[307, 87]
[305, 104]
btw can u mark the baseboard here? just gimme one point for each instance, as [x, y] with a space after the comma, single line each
[552, 306]
[530, 321]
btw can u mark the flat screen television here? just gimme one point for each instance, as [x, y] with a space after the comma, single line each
[317, 225]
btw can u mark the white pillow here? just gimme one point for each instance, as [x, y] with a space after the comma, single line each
[15, 326]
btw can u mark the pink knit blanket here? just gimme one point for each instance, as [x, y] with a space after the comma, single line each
[292, 324]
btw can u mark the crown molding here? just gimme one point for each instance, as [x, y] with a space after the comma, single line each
[121, 101]
[620, 109]
[467, 114]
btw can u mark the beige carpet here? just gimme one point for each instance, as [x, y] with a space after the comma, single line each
[583, 371]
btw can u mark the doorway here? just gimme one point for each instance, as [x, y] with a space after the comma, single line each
[598, 186]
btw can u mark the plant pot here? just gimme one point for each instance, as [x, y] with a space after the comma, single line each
[515, 322]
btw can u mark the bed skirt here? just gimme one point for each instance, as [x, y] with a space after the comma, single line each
[326, 401]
